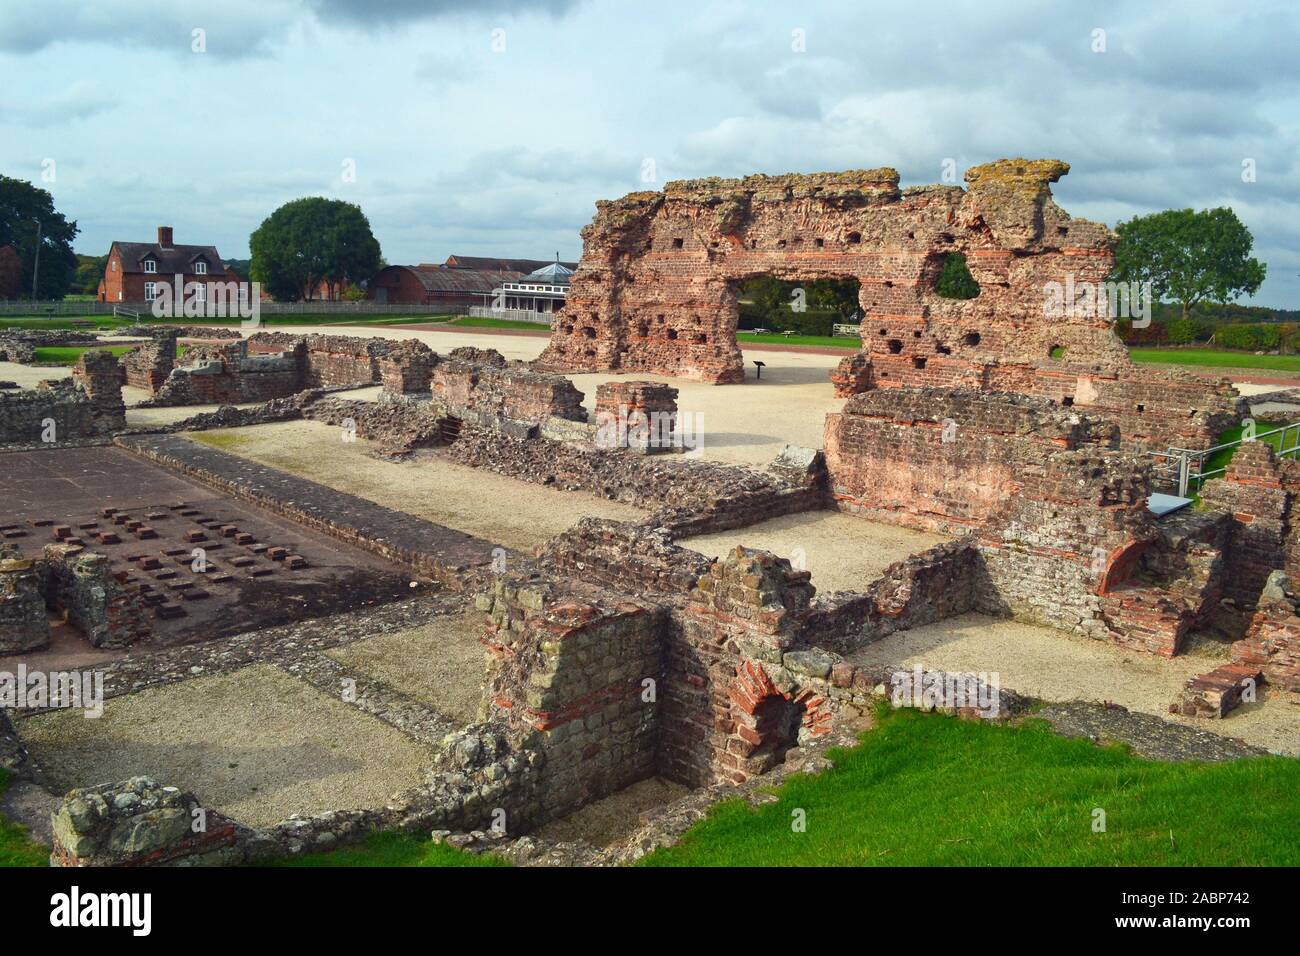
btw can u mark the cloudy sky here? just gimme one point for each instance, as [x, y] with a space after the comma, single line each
[491, 126]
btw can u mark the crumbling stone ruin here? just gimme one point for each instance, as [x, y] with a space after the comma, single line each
[148, 366]
[656, 290]
[260, 368]
[87, 406]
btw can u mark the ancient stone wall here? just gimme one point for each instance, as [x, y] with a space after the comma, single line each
[483, 381]
[946, 460]
[80, 583]
[1272, 643]
[406, 370]
[656, 288]
[147, 366]
[626, 557]
[583, 673]
[24, 625]
[87, 406]
[1253, 492]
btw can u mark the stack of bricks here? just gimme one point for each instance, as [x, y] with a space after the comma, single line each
[1217, 692]
[148, 366]
[24, 625]
[637, 415]
[406, 371]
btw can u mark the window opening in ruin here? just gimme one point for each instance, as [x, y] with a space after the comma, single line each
[918, 362]
[854, 238]
[1056, 352]
[1067, 401]
[672, 333]
[895, 346]
[778, 721]
[797, 306]
[971, 338]
[678, 243]
[942, 349]
[819, 242]
[955, 280]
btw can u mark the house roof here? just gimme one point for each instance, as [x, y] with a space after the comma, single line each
[170, 261]
[440, 279]
[511, 265]
[557, 273]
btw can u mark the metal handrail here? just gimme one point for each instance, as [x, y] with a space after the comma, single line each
[1180, 460]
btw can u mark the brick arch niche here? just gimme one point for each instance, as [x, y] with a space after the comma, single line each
[656, 284]
[765, 722]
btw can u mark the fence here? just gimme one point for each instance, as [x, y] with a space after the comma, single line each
[1184, 468]
[514, 315]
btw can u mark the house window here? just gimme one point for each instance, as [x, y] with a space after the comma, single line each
[200, 268]
[150, 266]
[150, 291]
[113, 265]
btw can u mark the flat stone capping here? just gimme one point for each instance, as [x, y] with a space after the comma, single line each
[402, 538]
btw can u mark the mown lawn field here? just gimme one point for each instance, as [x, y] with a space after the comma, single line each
[1216, 358]
[930, 790]
[16, 847]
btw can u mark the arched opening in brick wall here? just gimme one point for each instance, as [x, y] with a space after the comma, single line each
[767, 722]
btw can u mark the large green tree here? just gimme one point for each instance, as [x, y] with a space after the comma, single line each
[22, 206]
[1189, 256]
[309, 241]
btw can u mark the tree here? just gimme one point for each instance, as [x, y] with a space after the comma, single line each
[1189, 256]
[955, 281]
[89, 273]
[11, 274]
[22, 205]
[311, 241]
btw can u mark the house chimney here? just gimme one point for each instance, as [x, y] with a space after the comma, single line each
[165, 237]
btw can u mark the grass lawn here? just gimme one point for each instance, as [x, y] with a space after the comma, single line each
[15, 847]
[69, 354]
[396, 849]
[1220, 358]
[474, 322]
[929, 790]
[849, 342]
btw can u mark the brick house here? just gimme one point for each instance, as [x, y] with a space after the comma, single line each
[135, 270]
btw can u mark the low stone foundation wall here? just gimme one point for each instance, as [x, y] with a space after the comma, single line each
[426, 548]
[88, 406]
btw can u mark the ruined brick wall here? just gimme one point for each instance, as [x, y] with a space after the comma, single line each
[626, 557]
[23, 621]
[946, 460]
[88, 406]
[148, 366]
[16, 350]
[1272, 644]
[656, 288]
[483, 381]
[572, 666]
[636, 414]
[407, 370]
[689, 496]
[1253, 493]
[106, 611]
[723, 716]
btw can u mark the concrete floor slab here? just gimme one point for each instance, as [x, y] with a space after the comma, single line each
[513, 513]
[843, 552]
[257, 744]
[441, 665]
